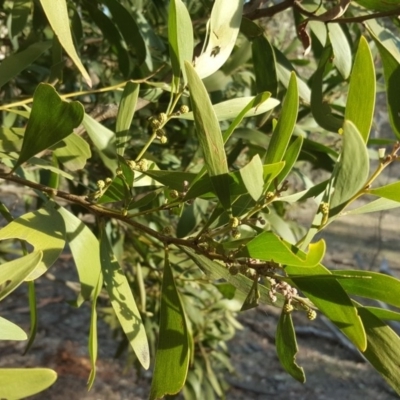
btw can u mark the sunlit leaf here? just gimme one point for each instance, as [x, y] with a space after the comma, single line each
[57, 13]
[290, 157]
[10, 331]
[173, 343]
[17, 383]
[14, 272]
[341, 49]
[123, 302]
[286, 347]
[361, 98]
[252, 175]
[379, 5]
[374, 206]
[44, 229]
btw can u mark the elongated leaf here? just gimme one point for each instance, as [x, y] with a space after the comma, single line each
[15, 63]
[377, 287]
[19, 16]
[44, 229]
[341, 49]
[126, 111]
[353, 168]
[10, 331]
[383, 348]
[180, 37]
[290, 157]
[129, 29]
[379, 5]
[361, 97]
[286, 123]
[17, 383]
[269, 247]
[13, 273]
[331, 299]
[207, 126]
[123, 302]
[252, 175]
[389, 49]
[93, 344]
[73, 152]
[384, 314]
[320, 109]
[51, 120]
[230, 109]
[85, 250]
[264, 65]
[224, 27]
[57, 13]
[286, 347]
[104, 141]
[374, 206]
[173, 343]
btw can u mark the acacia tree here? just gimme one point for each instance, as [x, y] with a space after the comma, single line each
[179, 126]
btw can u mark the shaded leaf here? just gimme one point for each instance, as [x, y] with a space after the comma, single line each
[286, 347]
[50, 121]
[15, 63]
[379, 5]
[57, 13]
[173, 344]
[253, 297]
[123, 302]
[374, 206]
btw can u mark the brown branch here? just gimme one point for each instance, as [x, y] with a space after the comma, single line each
[270, 11]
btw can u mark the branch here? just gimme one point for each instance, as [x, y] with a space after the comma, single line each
[270, 11]
[362, 18]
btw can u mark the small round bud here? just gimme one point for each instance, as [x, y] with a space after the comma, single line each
[155, 123]
[160, 132]
[167, 230]
[131, 164]
[184, 109]
[119, 172]
[163, 139]
[261, 220]
[288, 308]
[234, 222]
[272, 297]
[101, 184]
[235, 234]
[143, 165]
[269, 196]
[108, 181]
[243, 269]
[382, 153]
[324, 208]
[311, 314]
[174, 194]
[124, 212]
[162, 117]
[233, 270]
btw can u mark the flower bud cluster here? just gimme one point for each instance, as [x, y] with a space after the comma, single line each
[142, 165]
[283, 288]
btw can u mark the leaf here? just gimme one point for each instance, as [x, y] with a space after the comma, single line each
[374, 206]
[223, 30]
[286, 123]
[341, 49]
[123, 302]
[286, 347]
[361, 98]
[104, 141]
[379, 5]
[10, 331]
[73, 152]
[384, 314]
[129, 29]
[377, 287]
[332, 300]
[269, 247]
[93, 344]
[126, 111]
[51, 120]
[388, 46]
[84, 247]
[44, 229]
[264, 65]
[12, 65]
[173, 344]
[17, 383]
[207, 126]
[14, 272]
[57, 13]
[253, 297]
[320, 109]
[290, 158]
[383, 348]
[180, 38]
[20, 12]
[230, 109]
[352, 170]
[252, 175]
